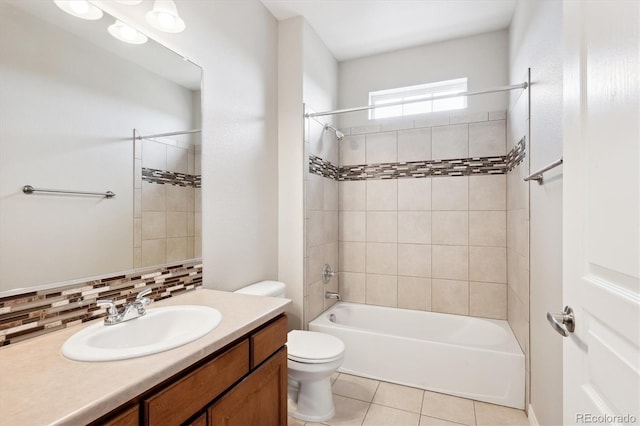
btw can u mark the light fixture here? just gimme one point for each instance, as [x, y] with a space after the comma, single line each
[164, 17]
[129, 2]
[80, 9]
[124, 32]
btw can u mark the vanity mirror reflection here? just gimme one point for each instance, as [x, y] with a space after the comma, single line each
[71, 97]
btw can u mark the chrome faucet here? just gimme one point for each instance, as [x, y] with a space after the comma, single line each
[132, 310]
[332, 295]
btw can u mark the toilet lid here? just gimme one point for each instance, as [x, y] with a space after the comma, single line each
[312, 347]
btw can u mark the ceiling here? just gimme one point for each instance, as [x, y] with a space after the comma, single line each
[356, 28]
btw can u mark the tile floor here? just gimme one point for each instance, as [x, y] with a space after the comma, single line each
[361, 401]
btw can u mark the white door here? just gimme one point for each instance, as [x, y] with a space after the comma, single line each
[600, 211]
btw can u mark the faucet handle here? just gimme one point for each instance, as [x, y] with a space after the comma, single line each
[141, 296]
[112, 309]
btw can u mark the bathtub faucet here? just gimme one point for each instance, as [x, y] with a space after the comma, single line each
[332, 295]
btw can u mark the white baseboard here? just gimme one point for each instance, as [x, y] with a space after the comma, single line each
[533, 421]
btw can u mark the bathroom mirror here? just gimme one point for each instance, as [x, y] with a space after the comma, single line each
[71, 96]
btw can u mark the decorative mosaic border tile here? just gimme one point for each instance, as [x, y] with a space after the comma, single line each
[35, 313]
[421, 169]
[516, 155]
[172, 178]
[323, 168]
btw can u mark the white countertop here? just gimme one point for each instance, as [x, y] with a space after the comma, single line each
[39, 386]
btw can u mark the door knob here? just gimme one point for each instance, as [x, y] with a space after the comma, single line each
[563, 323]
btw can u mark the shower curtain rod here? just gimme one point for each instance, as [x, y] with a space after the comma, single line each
[365, 108]
[159, 135]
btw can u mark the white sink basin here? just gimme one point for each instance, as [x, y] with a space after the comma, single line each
[160, 329]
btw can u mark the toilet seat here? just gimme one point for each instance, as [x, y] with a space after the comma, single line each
[310, 347]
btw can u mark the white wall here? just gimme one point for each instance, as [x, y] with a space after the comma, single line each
[291, 166]
[68, 111]
[482, 59]
[536, 42]
[236, 44]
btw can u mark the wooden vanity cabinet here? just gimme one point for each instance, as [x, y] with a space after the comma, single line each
[244, 384]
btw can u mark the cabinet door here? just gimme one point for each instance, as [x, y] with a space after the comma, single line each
[259, 400]
[128, 417]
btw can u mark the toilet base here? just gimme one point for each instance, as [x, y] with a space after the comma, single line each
[314, 401]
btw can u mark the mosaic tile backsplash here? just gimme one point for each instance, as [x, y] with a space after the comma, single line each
[171, 178]
[35, 313]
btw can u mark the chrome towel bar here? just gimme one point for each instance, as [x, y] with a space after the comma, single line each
[537, 175]
[28, 189]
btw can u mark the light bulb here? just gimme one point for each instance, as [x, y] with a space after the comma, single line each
[124, 32]
[165, 20]
[81, 7]
[164, 17]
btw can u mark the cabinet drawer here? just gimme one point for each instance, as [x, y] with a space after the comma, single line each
[268, 340]
[180, 400]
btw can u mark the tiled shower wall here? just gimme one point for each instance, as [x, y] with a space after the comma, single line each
[167, 214]
[321, 221]
[435, 243]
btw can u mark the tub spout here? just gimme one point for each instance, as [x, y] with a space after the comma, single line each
[332, 295]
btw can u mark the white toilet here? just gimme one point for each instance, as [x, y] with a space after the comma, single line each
[312, 359]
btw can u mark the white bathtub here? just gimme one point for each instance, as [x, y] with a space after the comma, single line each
[469, 357]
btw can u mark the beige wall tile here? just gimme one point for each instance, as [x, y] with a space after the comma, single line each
[352, 226]
[352, 195]
[381, 415]
[154, 155]
[450, 262]
[468, 117]
[314, 263]
[137, 170]
[330, 252]
[352, 287]
[448, 407]
[414, 145]
[315, 300]
[488, 264]
[153, 197]
[330, 192]
[488, 228]
[352, 151]
[177, 224]
[382, 290]
[488, 300]
[176, 249]
[382, 227]
[137, 257]
[488, 192]
[414, 260]
[382, 194]
[450, 228]
[487, 139]
[137, 232]
[330, 227]
[352, 257]
[432, 119]
[178, 198]
[382, 258]
[414, 194]
[414, 293]
[314, 226]
[449, 296]
[177, 159]
[448, 142]
[381, 148]
[137, 203]
[414, 227]
[450, 193]
[314, 192]
[154, 252]
[154, 225]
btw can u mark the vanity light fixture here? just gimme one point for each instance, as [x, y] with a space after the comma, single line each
[164, 17]
[124, 32]
[80, 9]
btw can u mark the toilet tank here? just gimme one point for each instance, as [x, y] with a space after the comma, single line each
[264, 288]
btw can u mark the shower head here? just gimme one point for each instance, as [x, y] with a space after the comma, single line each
[339, 134]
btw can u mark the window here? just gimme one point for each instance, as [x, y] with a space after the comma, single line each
[422, 91]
